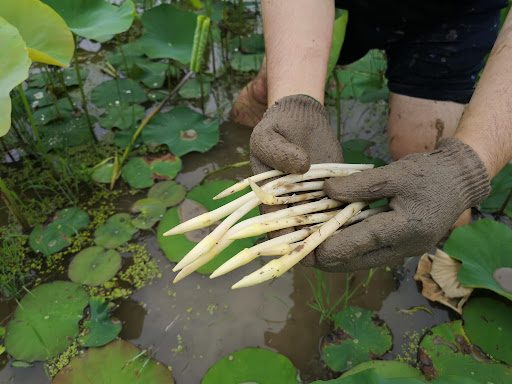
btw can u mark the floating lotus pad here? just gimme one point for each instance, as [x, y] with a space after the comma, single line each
[38, 80]
[446, 351]
[169, 33]
[483, 248]
[359, 338]
[103, 174]
[168, 192]
[247, 63]
[46, 35]
[488, 324]
[501, 186]
[182, 130]
[115, 363]
[252, 365]
[192, 89]
[38, 98]
[150, 211]
[101, 329]
[117, 230]
[123, 138]
[114, 92]
[177, 246]
[73, 217]
[46, 321]
[122, 116]
[47, 114]
[389, 369]
[13, 67]
[95, 19]
[140, 172]
[94, 266]
[65, 133]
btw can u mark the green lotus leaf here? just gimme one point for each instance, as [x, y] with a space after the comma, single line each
[94, 266]
[46, 35]
[117, 230]
[123, 138]
[101, 329]
[151, 74]
[118, 362]
[192, 89]
[150, 211]
[338, 37]
[114, 92]
[169, 33]
[177, 246]
[122, 116]
[52, 239]
[182, 130]
[247, 63]
[487, 323]
[357, 152]
[389, 369]
[65, 133]
[103, 174]
[38, 98]
[47, 114]
[483, 248]
[95, 19]
[74, 217]
[13, 67]
[137, 173]
[252, 365]
[157, 95]
[255, 43]
[501, 186]
[359, 337]
[446, 351]
[167, 166]
[168, 192]
[46, 321]
[38, 80]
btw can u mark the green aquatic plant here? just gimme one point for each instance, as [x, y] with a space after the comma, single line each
[14, 277]
[499, 200]
[100, 328]
[147, 212]
[114, 92]
[46, 320]
[116, 231]
[168, 192]
[94, 266]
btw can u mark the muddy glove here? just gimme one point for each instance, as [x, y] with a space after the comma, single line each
[428, 192]
[293, 134]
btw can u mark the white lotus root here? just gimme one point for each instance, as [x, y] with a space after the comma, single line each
[326, 215]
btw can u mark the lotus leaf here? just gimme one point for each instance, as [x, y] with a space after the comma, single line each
[114, 92]
[65, 133]
[446, 351]
[487, 323]
[103, 174]
[137, 173]
[192, 89]
[46, 35]
[157, 95]
[123, 138]
[51, 239]
[38, 98]
[166, 167]
[501, 187]
[252, 365]
[101, 329]
[151, 74]
[255, 43]
[359, 337]
[247, 63]
[46, 321]
[182, 130]
[338, 37]
[177, 246]
[122, 116]
[118, 362]
[483, 247]
[150, 211]
[168, 192]
[74, 217]
[94, 266]
[48, 113]
[95, 19]
[116, 231]
[389, 369]
[13, 67]
[355, 152]
[169, 33]
[38, 80]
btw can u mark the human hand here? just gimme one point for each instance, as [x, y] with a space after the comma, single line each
[427, 193]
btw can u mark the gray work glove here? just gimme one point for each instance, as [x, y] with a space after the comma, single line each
[293, 134]
[428, 192]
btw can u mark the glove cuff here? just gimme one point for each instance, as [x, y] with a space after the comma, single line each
[298, 107]
[473, 178]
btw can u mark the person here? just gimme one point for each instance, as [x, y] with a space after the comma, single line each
[446, 151]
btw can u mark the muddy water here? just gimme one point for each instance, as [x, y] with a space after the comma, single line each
[191, 325]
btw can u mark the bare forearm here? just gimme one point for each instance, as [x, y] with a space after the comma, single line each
[487, 122]
[298, 36]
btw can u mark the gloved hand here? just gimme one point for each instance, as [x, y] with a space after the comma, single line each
[293, 134]
[427, 193]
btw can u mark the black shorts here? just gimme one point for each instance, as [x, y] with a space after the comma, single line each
[431, 55]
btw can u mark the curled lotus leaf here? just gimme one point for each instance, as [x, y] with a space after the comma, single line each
[101, 329]
[148, 212]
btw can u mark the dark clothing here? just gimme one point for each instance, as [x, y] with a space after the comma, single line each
[435, 49]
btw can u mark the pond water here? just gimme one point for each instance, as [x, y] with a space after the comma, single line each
[191, 325]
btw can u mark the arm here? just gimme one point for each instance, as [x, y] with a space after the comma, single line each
[486, 125]
[298, 36]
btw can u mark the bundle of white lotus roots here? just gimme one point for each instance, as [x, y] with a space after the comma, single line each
[319, 219]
